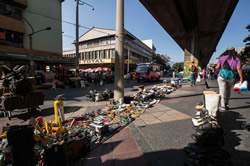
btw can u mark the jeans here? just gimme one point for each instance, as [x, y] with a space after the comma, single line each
[225, 87]
[193, 77]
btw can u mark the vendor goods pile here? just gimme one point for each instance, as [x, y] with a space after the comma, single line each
[56, 143]
[95, 95]
[19, 91]
[209, 139]
[15, 80]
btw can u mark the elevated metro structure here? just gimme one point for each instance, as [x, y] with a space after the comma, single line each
[195, 25]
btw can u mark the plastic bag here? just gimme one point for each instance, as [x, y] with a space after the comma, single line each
[237, 87]
[243, 87]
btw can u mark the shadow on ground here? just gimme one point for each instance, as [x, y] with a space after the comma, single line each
[25, 115]
[236, 140]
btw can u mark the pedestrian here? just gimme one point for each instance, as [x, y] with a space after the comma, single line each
[174, 74]
[96, 78]
[193, 73]
[228, 64]
[128, 77]
[101, 78]
[209, 74]
[204, 74]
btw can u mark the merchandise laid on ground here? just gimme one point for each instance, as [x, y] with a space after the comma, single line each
[59, 142]
[209, 140]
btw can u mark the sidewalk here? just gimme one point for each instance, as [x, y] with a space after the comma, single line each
[159, 135]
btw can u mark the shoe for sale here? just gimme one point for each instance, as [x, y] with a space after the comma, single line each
[222, 109]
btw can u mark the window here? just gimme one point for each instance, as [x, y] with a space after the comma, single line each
[113, 53]
[96, 55]
[112, 40]
[10, 11]
[101, 54]
[105, 54]
[11, 38]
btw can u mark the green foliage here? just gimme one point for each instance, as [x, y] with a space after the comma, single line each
[178, 66]
[245, 57]
[162, 59]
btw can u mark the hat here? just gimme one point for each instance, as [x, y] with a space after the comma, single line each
[230, 48]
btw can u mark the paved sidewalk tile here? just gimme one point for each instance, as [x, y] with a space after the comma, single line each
[153, 109]
[139, 122]
[126, 145]
[151, 121]
[123, 134]
[147, 116]
[130, 159]
[166, 118]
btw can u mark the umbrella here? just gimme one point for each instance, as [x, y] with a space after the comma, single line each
[106, 69]
[83, 70]
[98, 69]
[89, 70]
[93, 70]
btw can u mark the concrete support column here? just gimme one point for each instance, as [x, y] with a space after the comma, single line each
[119, 48]
[77, 38]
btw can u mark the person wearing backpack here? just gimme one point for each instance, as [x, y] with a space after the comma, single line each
[193, 73]
[228, 64]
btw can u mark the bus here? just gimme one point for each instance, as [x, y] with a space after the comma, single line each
[148, 72]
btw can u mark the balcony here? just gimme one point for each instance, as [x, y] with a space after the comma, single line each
[11, 24]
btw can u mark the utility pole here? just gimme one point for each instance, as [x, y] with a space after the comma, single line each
[128, 61]
[78, 2]
[77, 38]
[119, 49]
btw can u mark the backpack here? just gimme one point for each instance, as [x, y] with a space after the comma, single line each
[193, 68]
[226, 72]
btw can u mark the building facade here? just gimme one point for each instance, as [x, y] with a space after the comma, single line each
[19, 18]
[97, 49]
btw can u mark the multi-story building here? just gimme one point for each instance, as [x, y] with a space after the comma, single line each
[97, 49]
[19, 19]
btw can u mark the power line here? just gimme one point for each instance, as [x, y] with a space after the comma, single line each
[69, 36]
[67, 22]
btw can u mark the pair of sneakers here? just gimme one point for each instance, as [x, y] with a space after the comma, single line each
[224, 108]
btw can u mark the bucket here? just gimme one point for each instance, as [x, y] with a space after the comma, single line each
[212, 102]
[237, 87]
[243, 87]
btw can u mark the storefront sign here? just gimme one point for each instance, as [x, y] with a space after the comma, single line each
[97, 61]
[131, 61]
[60, 59]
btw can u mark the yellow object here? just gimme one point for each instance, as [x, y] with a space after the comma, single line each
[39, 129]
[48, 128]
[209, 92]
[4, 135]
[59, 110]
[198, 107]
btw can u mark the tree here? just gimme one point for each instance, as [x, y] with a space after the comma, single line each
[245, 57]
[162, 59]
[178, 66]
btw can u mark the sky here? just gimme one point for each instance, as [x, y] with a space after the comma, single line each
[139, 22]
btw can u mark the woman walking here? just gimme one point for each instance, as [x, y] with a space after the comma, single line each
[228, 64]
